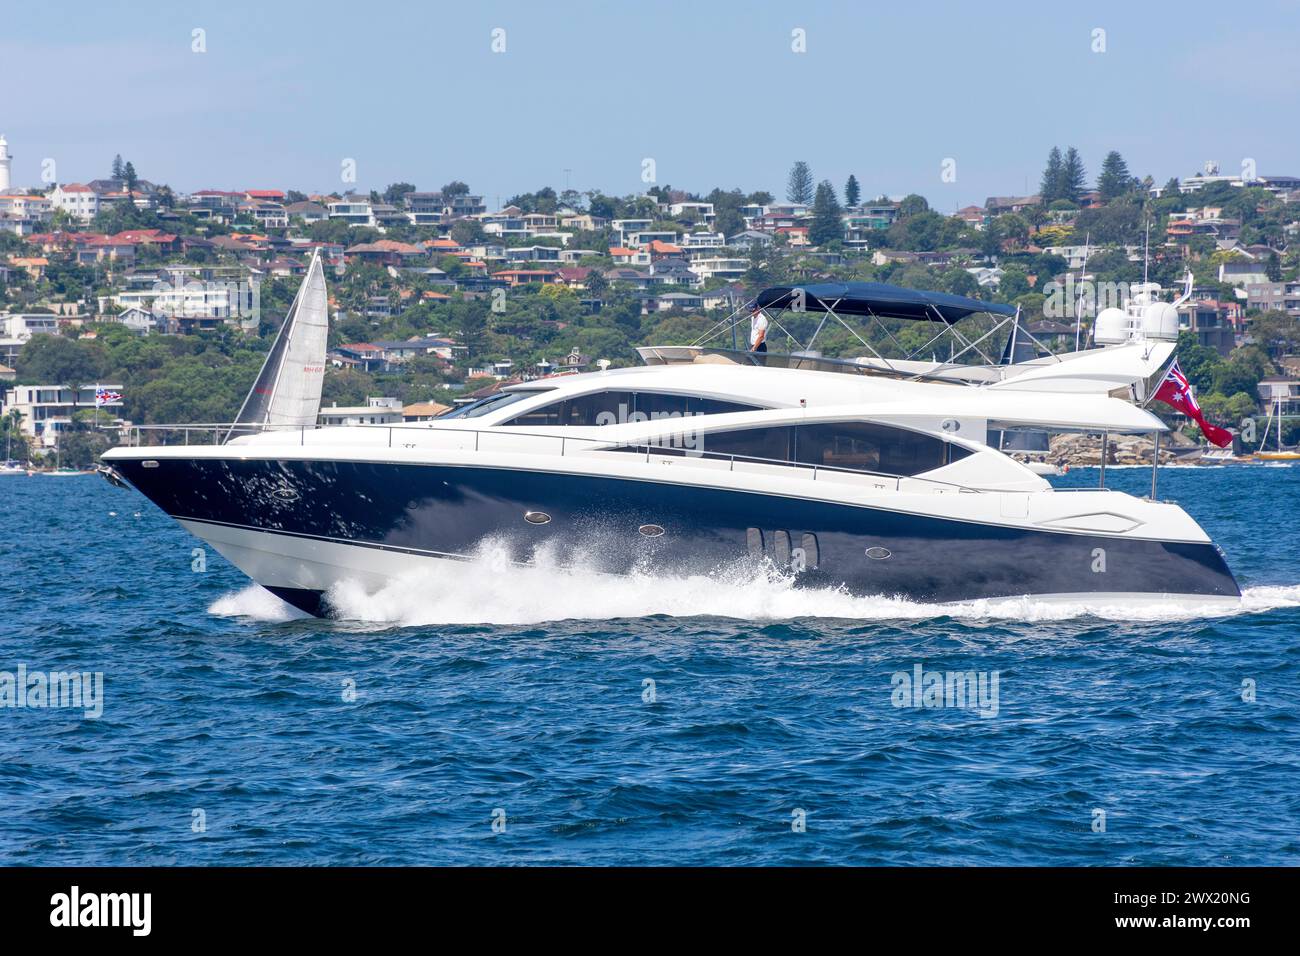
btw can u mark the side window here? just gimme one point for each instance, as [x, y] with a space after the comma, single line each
[866, 446]
[602, 408]
[546, 415]
[770, 443]
[616, 407]
[653, 405]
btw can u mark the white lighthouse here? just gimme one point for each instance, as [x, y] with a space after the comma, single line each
[4, 164]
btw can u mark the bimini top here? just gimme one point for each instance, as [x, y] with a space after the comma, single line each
[879, 299]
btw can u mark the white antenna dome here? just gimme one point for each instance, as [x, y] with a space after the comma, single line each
[1112, 327]
[1160, 321]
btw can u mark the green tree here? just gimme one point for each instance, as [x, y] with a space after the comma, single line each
[117, 166]
[56, 360]
[1276, 331]
[826, 225]
[79, 448]
[912, 205]
[129, 179]
[1274, 268]
[1053, 182]
[467, 232]
[852, 191]
[799, 186]
[395, 191]
[1074, 179]
[1115, 179]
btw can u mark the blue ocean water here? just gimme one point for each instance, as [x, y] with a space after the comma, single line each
[635, 721]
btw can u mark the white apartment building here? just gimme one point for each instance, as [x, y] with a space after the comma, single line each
[376, 411]
[354, 212]
[18, 329]
[47, 410]
[78, 201]
[719, 267]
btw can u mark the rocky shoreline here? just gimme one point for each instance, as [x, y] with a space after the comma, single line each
[1085, 450]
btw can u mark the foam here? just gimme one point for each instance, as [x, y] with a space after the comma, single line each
[492, 589]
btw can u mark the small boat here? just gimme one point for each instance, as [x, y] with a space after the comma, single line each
[12, 468]
[65, 472]
[1280, 454]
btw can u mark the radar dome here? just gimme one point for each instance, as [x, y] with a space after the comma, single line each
[1160, 321]
[1112, 327]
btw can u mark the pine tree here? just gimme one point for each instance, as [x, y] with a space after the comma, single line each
[129, 180]
[826, 224]
[799, 188]
[1052, 185]
[852, 192]
[1171, 188]
[1115, 179]
[1074, 180]
[117, 166]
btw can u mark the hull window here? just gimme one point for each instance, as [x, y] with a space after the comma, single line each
[754, 540]
[812, 553]
[781, 548]
[651, 530]
[537, 517]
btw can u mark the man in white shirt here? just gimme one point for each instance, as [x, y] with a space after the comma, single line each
[758, 331]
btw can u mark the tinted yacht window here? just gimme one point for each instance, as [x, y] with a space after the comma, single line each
[655, 404]
[771, 443]
[866, 446]
[617, 407]
[855, 446]
[483, 406]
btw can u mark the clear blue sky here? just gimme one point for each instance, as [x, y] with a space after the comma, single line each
[711, 90]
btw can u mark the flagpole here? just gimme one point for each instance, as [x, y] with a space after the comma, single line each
[1155, 466]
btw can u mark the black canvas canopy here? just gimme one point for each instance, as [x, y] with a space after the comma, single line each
[880, 300]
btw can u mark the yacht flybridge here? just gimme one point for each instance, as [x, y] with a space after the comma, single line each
[881, 475]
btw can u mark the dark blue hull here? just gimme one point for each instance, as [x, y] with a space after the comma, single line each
[448, 510]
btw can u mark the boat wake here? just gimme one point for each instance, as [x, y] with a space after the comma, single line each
[493, 590]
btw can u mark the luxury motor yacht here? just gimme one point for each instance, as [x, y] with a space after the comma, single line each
[877, 475]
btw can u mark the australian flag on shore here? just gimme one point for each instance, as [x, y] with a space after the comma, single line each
[1175, 390]
[104, 397]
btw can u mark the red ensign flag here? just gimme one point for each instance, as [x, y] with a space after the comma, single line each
[1175, 390]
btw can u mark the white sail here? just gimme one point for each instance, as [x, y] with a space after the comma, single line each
[287, 391]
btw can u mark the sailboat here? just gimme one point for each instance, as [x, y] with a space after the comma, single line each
[9, 466]
[287, 391]
[1281, 454]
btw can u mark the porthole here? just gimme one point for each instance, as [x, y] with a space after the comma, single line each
[878, 554]
[148, 463]
[537, 517]
[781, 548]
[651, 530]
[812, 552]
[754, 542]
[951, 425]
